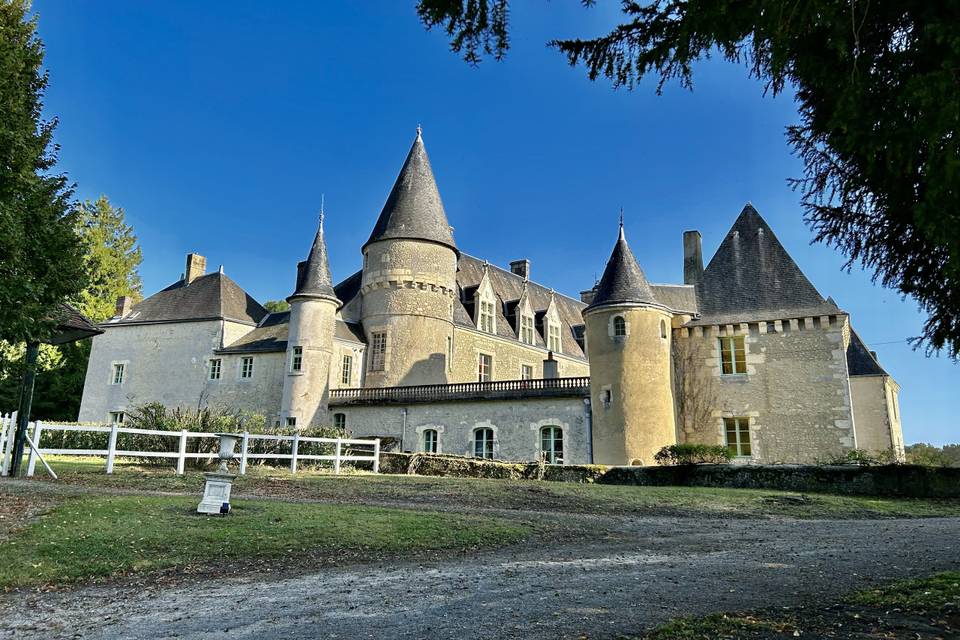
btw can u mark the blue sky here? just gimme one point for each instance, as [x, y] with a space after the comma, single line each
[217, 126]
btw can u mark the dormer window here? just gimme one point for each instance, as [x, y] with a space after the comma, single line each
[486, 316]
[526, 329]
[553, 336]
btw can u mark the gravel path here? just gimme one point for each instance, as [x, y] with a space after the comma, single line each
[654, 569]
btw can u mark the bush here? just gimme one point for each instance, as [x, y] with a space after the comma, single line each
[863, 458]
[677, 454]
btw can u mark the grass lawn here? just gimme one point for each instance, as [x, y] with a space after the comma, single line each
[95, 536]
[469, 493]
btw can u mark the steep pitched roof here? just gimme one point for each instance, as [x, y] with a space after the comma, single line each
[751, 276]
[210, 297]
[271, 335]
[622, 280]
[413, 209]
[860, 361]
[313, 274]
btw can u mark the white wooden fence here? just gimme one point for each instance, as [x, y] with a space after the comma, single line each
[344, 448]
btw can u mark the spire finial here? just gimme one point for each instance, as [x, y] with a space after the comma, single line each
[419, 130]
[322, 196]
[621, 223]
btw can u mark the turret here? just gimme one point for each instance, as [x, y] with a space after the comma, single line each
[628, 337]
[410, 281]
[313, 317]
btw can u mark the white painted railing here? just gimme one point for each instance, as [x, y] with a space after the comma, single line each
[343, 448]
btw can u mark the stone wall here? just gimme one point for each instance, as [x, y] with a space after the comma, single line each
[508, 356]
[516, 425]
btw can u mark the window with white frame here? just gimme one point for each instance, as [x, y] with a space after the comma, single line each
[213, 368]
[484, 367]
[378, 350]
[526, 372]
[430, 440]
[339, 421]
[483, 443]
[346, 370]
[117, 417]
[733, 355]
[296, 360]
[738, 436]
[553, 337]
[526, 329]
[619, 326]
[486, 323]
[119, 369]
[246, 367]
[291, 421]
[551, 444]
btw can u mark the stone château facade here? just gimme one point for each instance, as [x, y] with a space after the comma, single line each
[440, 351]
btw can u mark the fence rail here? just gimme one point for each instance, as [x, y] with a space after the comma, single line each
[344, 449]
[426, 392]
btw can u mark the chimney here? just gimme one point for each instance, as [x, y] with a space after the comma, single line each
[521, 268]
[551, 368]
[692, 258]
[196, 267]
[124, 304]
[874, 354]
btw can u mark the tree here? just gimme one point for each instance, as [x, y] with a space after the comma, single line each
[40, 257]
[877, 91]
[926, 455]
[276, 306]
[695, 390]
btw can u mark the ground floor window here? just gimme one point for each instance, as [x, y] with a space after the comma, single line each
[340, 421]
[116, 417]
[430, 440]
[291, 421]
[551, 445]
[738, 436]
[483, 443]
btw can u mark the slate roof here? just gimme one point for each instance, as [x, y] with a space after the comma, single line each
[313, 274]
[271, 335]
[71, 326]
[210, 297]
[413, 209]
[752, 277]
[623, 280]
[860, 362]
[681, 298]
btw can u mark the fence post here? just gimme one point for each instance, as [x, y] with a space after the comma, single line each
[336, 459]
[8, 450]
[3, 434]
[182, 457]
[112, 447]
[293, 453]
[32, 458]
[376, 455]
[244, 445]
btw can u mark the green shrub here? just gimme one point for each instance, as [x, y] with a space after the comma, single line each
[863, 458]
[676, 454]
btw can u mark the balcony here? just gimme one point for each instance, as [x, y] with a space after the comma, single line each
[465, 391]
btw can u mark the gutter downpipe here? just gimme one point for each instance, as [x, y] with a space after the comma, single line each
[403, 432]
[588, 419]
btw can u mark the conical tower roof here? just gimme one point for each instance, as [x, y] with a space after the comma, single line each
[413, 210]
[623, 280]
[313, 274]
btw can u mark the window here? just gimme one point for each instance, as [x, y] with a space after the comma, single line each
[619, 326]
[346, 374]
[291, 421]
[553, 337]
[606, 397]
[733, 356]
[738, 436]
[526, 329]
[485, 368]
[116, 417]
[246, 367]
[378, 351]
[663, 330]
[551, 445]
[526, 372]
[449, 353]
[430, 440]
[296, 360]
[339, 421]
[118, 370]
[213, 369]
[483, 443]
[486, 316]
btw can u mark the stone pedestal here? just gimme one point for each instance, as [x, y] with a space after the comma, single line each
[216, 494]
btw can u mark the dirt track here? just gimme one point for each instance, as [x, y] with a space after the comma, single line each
[638, 573]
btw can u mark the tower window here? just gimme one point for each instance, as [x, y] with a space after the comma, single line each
[339, 421]
[119, 369]
[378, 351]
[663, 330]
[484, 368]
[449, 353]
[526, 329]
[213, 369]
[246, 367]
[553, 337]
[619, 326]
[346, 374]
[551, 444]
[486, 316]
[430, 440]
[483, 443]
[738, 436]
[296, 360]
[733, 355]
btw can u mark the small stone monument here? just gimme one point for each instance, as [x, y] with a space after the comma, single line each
[216, 493]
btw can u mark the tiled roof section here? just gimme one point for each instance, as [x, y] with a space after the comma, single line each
[210, 297]
[860, 362]
[622, 280]
[508, 287]
[271, 335]
[350, 331]
[72, 326]
[413, 209]
[313, 274]
[346, 290]
[681, 298]
[752, 277]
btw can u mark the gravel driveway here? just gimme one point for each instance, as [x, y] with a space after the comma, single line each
[638, 574]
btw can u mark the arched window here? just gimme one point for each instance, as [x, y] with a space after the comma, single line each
[483, 443]
[430, 440]
[663, 330]
[619, 326]
[551, 444]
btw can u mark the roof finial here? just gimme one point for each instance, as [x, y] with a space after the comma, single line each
[322, 195]
[621, 223]
[419, 130]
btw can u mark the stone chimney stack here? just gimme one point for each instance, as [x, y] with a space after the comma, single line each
[692, 257]
[196, 267]
[551, 368]
[521, 268]
[124, 304]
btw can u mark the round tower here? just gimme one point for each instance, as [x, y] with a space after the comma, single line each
[409, 282]
[313, 320]
[629, 342]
